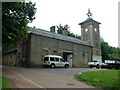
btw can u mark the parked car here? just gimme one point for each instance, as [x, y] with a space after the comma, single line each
[96, 64]
[113, 63]
[54, 61]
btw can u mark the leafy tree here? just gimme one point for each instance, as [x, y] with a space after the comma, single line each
[61, 28]
[109, 52]
[75, 36]
[15, 17]
[104, 50]
[71, 34]
[118, 52]
[66, 27]
[113, 53]
[78, 36]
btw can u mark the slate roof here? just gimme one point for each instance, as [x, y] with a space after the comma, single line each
[89, 20]
[58, 36]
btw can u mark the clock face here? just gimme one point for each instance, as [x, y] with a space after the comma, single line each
[95, 29]
[86, 29]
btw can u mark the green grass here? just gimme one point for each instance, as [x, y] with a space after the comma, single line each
[100, 79]
[5, 83]
[0, 83]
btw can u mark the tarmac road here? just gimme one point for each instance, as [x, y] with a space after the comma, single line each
[43, 78]
[67, 72]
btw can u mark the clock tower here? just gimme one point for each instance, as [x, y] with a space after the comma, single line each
[90, 33]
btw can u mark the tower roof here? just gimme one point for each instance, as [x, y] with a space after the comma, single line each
[89, 20]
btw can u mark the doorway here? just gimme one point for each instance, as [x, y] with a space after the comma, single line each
[68, 56]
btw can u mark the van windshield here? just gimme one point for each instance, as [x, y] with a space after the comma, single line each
[46, 58]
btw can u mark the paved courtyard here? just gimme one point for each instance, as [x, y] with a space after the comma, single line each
[67, 71]
[45, 78]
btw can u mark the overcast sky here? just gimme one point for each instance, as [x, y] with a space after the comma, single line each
[72, 12]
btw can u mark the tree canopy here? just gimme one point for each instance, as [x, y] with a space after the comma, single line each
[15, 17]
[67, 27]
[60, 28]
[109, 52]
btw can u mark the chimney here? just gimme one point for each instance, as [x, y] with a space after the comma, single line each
[52, 29]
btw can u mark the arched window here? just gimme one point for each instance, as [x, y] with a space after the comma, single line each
[97, 52]
[96, 44]
[86, 37]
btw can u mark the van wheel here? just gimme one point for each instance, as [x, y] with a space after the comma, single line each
[52, 65]
[91, 66]
[97, 66]
[66, 65]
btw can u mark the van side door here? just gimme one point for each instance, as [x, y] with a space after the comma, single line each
[62, 62]
[57, 61]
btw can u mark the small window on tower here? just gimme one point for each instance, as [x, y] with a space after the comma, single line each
[97, 52]
[96, 44]
[86, 37]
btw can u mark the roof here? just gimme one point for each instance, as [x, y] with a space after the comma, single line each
[10, 52]
[58, 36]
[89, 20]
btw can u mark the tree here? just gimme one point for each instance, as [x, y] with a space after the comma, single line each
[66, 27]
[61, 28]
[104, 50]
[109, 52]
[78, 36]
[75, 36]
[114, 53]
[15, 17]
[71, 34]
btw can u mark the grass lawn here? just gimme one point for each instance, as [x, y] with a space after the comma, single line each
[0, 83]
[5, 83]
[107, 79]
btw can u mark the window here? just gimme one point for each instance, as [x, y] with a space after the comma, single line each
[97, 52]
[54, 51]
[86, 37]
[94, 61]
[52, 59]
[96, 37]
[62, 60]
[96, 44]
[57, 59]
[46, 59]
[18, 54]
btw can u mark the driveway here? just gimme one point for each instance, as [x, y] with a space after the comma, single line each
[44, 78]
[67, 71]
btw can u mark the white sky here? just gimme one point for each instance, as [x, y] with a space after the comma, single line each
[72, 12]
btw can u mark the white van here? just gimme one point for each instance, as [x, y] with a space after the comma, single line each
[54, 61]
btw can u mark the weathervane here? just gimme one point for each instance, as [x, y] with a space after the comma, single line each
[89, 14]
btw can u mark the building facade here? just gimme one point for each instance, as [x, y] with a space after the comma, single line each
[9, 58]
[42, 42]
